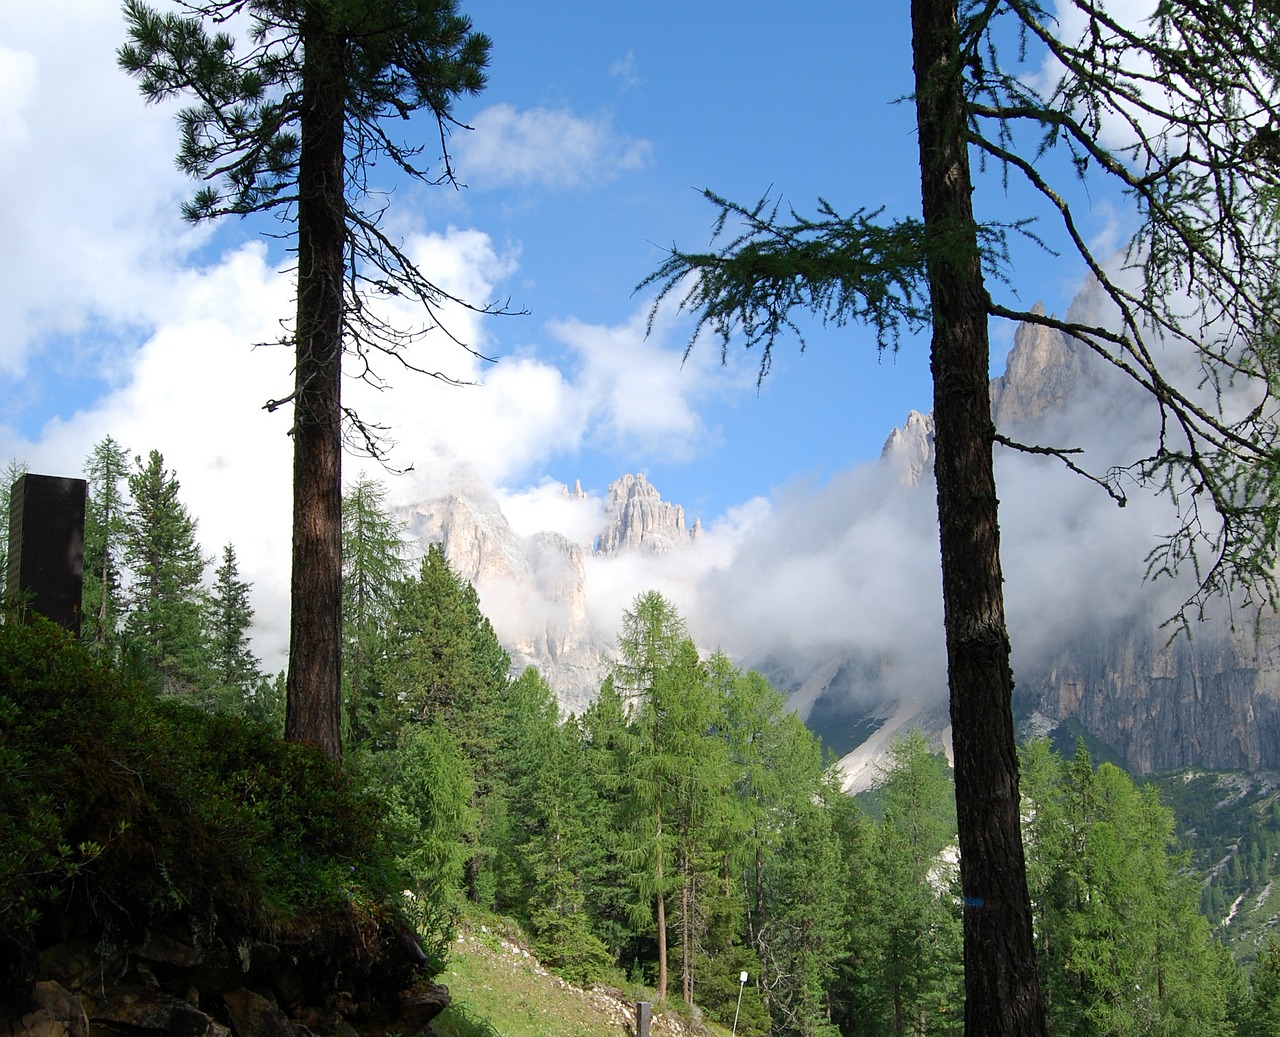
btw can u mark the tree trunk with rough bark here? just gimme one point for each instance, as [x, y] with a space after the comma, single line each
[313, 710]
[1002, 989]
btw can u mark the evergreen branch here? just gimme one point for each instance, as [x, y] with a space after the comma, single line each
[1061, 454]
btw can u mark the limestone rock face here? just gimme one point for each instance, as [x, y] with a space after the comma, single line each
[532, 589]
[640, 520]
[909, 449]
[1213, 702]
[1044, 372]
[473, 533]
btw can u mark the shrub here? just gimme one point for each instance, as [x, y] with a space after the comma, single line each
[121, 811]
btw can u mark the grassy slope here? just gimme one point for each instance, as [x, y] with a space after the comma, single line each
[494, 979]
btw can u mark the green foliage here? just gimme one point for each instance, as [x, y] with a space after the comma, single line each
[1123, 948]
[120, 811]
[106, 468]
[425, 786]
[13, 471]
[1262, 1013]
[166, 602]
[373, 563]
[235, 670]
[903, 972]
[442, 660]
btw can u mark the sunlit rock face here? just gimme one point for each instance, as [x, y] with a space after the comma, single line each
[640, 520]
[532, 589]
[1084, 654]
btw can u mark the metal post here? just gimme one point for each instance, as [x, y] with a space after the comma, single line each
[742, 985]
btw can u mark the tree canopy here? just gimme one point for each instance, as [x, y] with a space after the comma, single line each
[1178, 110]
[291, 119]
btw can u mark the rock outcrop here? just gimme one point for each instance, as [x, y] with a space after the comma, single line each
[533, 589]
[188, 984]
[1211, 702]
[640, 520]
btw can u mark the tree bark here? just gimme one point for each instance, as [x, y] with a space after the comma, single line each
[313, 709]
[1002, 989]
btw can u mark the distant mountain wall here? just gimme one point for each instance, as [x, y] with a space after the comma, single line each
[1089, 645]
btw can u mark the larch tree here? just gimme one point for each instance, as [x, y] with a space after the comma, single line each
[166, 599]
[1190, 97]
[106, 469]
[648, 677]
[235, 670]
[290, 120]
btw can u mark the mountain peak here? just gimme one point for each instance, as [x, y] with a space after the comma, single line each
[639, 519]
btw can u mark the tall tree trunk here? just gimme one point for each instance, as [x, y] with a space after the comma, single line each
[314, 708]
[1002, 989]
[662, 918]
[686, 931]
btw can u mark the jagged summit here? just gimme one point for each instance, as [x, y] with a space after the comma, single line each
[639, 519]
[534, 589]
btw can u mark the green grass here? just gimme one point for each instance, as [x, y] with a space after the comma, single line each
[501, 990]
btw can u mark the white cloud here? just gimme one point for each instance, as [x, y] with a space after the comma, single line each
[551, 147]
[624, 68]
[87, 168]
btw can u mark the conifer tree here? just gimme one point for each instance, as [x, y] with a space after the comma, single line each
[166, 600]
[373, 562]
[106, 523]
[1123, 946]
[551, 805]
[1190, 95]
[649, 676]
[443, 664]
[1263, 1018]
[291, 120]
[606, 747]
[235, 671]
[13, 471]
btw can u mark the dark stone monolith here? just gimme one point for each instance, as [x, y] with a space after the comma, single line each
[46, 546]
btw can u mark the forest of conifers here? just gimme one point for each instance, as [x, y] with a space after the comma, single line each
[686, 827]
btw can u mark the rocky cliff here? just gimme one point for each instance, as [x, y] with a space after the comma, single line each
[1159, 701]
[640, 520]
[1213, 701]
[534, 588]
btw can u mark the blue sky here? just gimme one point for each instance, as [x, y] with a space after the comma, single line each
[600, 125]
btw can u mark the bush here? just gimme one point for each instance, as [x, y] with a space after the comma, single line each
[121, 811]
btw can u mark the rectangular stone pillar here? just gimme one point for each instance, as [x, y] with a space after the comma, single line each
[644, 1013]
[46, 546]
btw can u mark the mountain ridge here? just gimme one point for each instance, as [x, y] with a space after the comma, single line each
[1089, 649]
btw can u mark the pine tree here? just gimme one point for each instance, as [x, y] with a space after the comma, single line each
[106, 524]
[292, 124]
[235, 671]
[13, 471]
[166, 600]
[373, 562]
